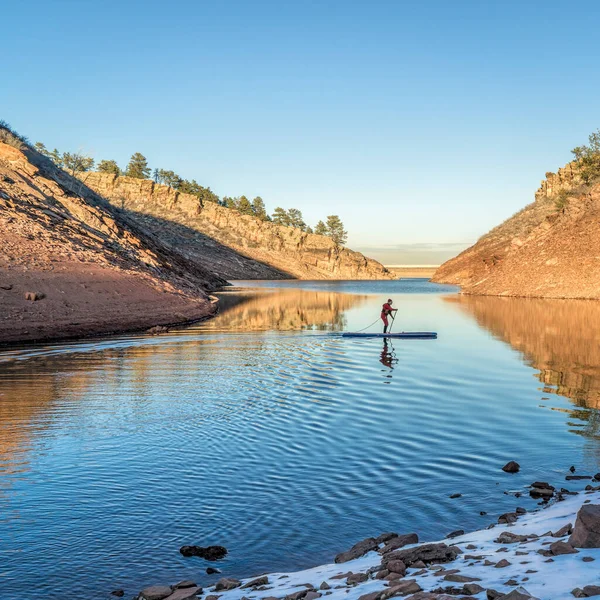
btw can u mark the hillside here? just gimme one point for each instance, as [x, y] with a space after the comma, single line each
[550, 249]
[223, 240]
[86, 268]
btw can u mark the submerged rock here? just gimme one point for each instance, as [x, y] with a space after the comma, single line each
[511, 467]
[208, 552]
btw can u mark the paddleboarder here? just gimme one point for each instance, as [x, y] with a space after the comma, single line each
[387, 311]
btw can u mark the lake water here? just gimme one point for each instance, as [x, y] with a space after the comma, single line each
[265, 431]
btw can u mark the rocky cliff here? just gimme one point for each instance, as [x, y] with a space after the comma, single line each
[72, 265]
[233, 245]
[549, 249]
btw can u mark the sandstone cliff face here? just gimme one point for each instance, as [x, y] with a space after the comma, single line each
[91, 270]
[550, 249]
[233, 245]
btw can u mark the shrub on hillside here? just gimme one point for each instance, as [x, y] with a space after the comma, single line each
[588, 158]
[9, 136]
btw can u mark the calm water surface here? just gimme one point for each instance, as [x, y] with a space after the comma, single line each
[266, 432]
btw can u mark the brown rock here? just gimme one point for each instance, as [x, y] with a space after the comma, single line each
[591, 590]
[156, 592]
[324, 586]
[263, 580]
[312, 595]
[458, 578]
[560, 547]
[396, 566]
[426, 553]
[399, 542]
[408, 586]
[186, 583]
[472, 589]
[370, 596]
[565, 530]
[356, 578]
[519, 594]
[586, 533]
[117, 593]
[508, 518]
[188, 593]
[511, 467]
[227, 583]
[34, 296]
[502, 564]
[506, 537]
[359, 549]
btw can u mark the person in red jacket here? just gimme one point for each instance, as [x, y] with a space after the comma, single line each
[386, 311]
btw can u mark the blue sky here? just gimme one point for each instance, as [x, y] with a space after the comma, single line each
[422, 124]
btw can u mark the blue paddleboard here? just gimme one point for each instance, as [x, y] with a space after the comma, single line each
[404, 335]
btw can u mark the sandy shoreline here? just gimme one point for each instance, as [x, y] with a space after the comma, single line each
[85, 300]
[524, 559]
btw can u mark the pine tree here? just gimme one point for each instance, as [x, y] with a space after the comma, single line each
[138, 167]
[336, 231]
[295, 219]
[321, 228]
[258, 208]
[109, 166]
[244, 206]
[280, 216]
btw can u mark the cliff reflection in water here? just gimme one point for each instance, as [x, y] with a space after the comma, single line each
[559, 338]
[283, 310]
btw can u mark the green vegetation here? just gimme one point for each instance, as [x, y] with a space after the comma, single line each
[9, 136]
[562, 199]
[588, 158]
[138, 167]
[109, 166]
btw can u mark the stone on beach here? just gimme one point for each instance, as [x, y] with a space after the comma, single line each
[427, 553]
[264, 580]
[560, 547]
[399, 542]
[227, 583]
[156, 592]
[187, 593]
[359, 549]
[586, 533]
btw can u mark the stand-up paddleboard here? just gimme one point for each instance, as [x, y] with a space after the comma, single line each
[404, 335]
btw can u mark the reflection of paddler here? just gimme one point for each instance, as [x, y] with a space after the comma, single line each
[386, 311]
[387, 358]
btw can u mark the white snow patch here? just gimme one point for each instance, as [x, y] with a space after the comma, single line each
[552, 580]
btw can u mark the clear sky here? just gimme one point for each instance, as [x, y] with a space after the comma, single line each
[422, 124]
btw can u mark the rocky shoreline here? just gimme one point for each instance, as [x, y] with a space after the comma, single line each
[546, 554]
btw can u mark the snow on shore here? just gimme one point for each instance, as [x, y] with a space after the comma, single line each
[544, 577]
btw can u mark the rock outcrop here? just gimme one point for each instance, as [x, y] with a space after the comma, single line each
[550, 249]
[72, 265]
[233, 245]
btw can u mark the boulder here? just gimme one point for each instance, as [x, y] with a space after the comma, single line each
[186, 583]
[212, 571]
[396, 566]
[399, 542]
[427, 553]
[591, 590]
[34, 296]
[156, 592]
[565, 530]
[402, 588]
[541, 489]
[207, 553]
[359, 549]
[560, 547]
[188, 593]
[586, 533]
[511, 467]
[324, 586]
[264, 580]
[519, 594]
[456, 533]
[227, 583]
[472, 589]
[383, 538]
[312, 595]
[458, 578]
[502, 564]
[507, 537]
[508, 518]
[356, 578]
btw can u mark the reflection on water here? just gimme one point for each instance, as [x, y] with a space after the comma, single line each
[559, 338]
[266, 431]
[284, 309]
